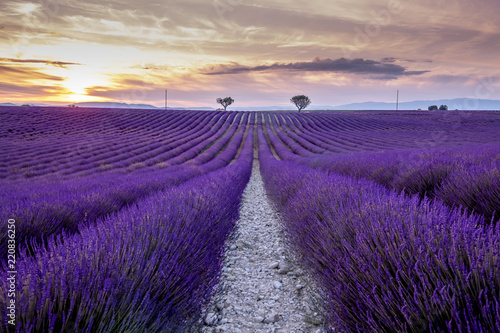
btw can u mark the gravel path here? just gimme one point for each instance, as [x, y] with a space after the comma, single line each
[262, 288]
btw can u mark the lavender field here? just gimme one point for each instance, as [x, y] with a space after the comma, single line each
[118, 220]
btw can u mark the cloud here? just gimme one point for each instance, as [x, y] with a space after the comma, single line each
[61, 64]
[341, 65]
[20, 83]
[475, 81]
[451, 79]
[394, 59]
[126, 88]
[17, 74]
[10, 89]
[152, 67]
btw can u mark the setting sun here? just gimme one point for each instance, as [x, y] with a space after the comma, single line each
[76, 82]
[79, 80]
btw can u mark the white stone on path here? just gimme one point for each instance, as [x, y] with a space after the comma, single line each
[263, 289]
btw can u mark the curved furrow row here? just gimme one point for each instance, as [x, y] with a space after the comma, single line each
[291, 144]
[67, 204]
[387, 262]
[325, 122]
[323, 139]
[82, 144]
[163, 150]
[108, 150]
[152, 267]
[341, 140]
[405, 170]
[299, 139]
[352, 136]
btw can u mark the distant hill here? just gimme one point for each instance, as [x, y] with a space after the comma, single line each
[457, 103]
[30, 104]
[114, 105]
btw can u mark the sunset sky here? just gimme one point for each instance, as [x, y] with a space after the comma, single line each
[258, 52]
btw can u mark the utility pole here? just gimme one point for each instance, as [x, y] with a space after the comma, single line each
[165, 99]
[397, 101]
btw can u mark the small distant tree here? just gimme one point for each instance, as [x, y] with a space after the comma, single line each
[225, 102]
[25, 105]
[300, 101]
[432, 108]
[443, 107]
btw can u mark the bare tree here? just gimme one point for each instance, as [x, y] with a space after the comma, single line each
[300, 101]
[225, 102]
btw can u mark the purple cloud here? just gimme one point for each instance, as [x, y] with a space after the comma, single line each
[341, 65]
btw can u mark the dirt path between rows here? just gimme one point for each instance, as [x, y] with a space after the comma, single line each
[263, 289]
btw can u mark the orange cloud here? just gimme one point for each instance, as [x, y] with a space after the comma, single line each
[62, 64]
[20, 75]
[22, 84]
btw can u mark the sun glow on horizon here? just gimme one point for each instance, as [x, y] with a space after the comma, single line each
[79, 98]
[77, 81]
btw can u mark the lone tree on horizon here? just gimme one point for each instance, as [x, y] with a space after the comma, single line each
[225, 102]
[300, 101]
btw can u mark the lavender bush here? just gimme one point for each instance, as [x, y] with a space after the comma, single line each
[465, 176]
[42, 211]
[43, 208]
[387, 262]
[148, 268]
[65, 143]
[452, 174]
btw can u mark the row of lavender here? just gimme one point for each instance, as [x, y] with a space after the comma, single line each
[466, 176]
[379, 131]
[149, 268]
[387, 262]
[92, 141]
[100, 141]
[44, 207]
[91, 261]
